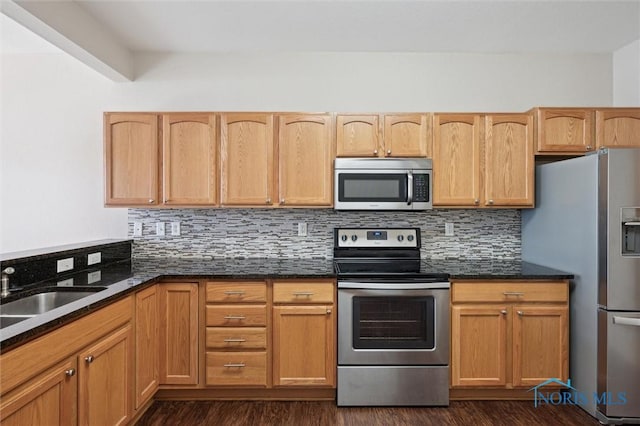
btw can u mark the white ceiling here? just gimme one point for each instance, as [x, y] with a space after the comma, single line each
[107, 34]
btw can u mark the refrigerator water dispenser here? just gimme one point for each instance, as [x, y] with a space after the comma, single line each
[631, 231]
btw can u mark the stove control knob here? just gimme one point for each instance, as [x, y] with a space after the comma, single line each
[400, 237]
[344, 237]
[354, 238]
[409, 237]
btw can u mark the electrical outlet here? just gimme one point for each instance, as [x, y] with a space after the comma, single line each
[137, 229]
[160, 229]
[448, 229]
[65, 264]
[175, 228]
[66, 283]
[302, 229]
[94, 258]
[94, 277]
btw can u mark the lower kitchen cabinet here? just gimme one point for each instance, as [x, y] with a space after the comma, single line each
[304, 334]
[105, 380]
[509, 334]
[178, 333]
[147, 345]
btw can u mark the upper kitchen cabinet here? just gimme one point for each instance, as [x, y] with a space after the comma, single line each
[247, 159]
[564, 131]
[131, 159]
[305, 154]
[456, 160]
[189, 172]
[618, 127]
[509, 163]
[401, 135]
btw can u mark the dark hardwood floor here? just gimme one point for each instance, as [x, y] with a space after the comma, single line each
[259, 413]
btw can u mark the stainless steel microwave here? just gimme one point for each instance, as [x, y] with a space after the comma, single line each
[383, 184]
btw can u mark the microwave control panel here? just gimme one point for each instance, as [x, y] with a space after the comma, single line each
[420, 187]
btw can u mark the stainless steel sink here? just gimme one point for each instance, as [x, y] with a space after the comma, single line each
[30, 306]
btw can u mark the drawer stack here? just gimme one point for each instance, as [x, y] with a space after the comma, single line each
[236, 334]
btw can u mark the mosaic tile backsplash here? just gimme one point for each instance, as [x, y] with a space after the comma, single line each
[255, 233]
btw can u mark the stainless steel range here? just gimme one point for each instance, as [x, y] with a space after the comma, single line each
[393, 320]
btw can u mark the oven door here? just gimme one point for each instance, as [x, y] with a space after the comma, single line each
[394, 324]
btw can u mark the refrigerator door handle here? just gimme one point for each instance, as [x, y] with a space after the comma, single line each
[626, 321]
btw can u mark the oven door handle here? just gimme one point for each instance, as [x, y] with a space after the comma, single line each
[394, 285]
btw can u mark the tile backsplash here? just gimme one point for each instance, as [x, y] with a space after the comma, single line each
[250, 233]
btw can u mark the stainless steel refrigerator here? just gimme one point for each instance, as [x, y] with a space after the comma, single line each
[587, 222]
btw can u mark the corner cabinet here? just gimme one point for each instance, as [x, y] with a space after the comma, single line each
[132, 158]
[305, 160]
[509, 334]
[304, 334]
[370, 135]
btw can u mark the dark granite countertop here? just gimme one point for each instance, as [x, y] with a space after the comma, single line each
[125, 277]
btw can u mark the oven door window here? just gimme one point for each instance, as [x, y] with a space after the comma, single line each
[356, 187]
[393, 322]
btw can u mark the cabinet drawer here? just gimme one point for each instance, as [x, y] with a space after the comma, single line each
[301, 292]
[236, 315]
[254, 291]
[510, 292]
[236, 368]
[236, 337]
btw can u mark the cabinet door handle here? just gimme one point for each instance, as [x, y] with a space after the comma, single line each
[151, 200]
[234, 340]
[70, 372]
[521, 313]
[303, 293]
[491, 202]
[328, 311]
[234, 317]
[281, 200]
[476, 201]
[388, 152]
[375, 152]
[513, 293]
[588, 147]
[503, 312]
[237, 365]
[268, 200]
[89, 359]
[234, 292]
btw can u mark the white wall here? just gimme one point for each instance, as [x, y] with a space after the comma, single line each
[51, 169]
[626, 75]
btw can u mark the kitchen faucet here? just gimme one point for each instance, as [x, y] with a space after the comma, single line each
[5, 281]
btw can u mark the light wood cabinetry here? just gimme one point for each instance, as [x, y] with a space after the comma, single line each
[190, 171]
[236, 334]
[147, 345]
[483, 161]
[178, 333]
[393, 135]
[105, 380]
[618, 127]
[132, 158]
[509, 334]
[304, 334]
[81, 373]
[305, 160]
[247, 166]
[567, 131]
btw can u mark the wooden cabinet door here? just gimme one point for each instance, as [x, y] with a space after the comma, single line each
[306, 153]
[564, 131]
[50, 398]
[304, 346]
[618, 127]
[178, 333]
[406, 135]
[247, 159]
[105, 377]
[357, 135]
[456, 160]
[147, 345]
[190, 163]
[131, 159]
[540, 344]
[509, 166]
[478, 345]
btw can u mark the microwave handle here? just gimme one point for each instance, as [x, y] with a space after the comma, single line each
[410, 191]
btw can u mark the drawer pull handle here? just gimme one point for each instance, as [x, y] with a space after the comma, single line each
[234, 292]
[521, 313]
[234, 340]
[513, 293]
[236, 365]
[234, 317]
[503, 312]
[302, 293]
